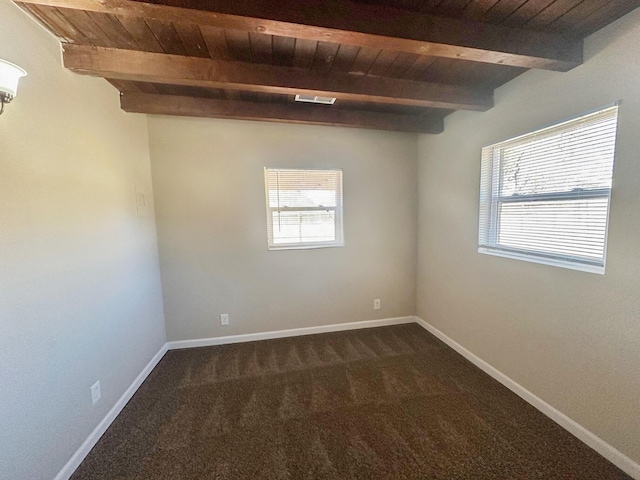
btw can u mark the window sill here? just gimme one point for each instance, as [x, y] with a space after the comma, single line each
[542, 260]
[304, 247]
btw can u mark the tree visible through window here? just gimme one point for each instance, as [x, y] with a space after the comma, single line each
[304, 208]
[544, 196]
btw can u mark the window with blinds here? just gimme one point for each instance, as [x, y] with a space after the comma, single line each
[304, 208]
[544, 196]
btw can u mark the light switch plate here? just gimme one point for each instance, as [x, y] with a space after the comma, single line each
[95, 392]
[142, 202]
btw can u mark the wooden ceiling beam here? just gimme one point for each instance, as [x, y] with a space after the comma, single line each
[180, 70]
[305, 114]
[345, 22]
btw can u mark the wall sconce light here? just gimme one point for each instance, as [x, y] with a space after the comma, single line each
[10, 75]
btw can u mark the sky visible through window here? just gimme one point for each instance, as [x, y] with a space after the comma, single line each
[565, 162]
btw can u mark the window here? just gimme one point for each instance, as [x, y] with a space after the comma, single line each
[304, 208]
[544, 196]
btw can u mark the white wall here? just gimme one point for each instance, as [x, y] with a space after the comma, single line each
[572, 338]
[80, 296]
[209, 186]
[79, 279]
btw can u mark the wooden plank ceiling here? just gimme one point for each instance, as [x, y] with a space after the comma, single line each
[391, 64]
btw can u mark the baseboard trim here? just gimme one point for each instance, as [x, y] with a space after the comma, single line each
[84, 449]
[80, 454]
[293, 332]
[603, 448]
[616, 457]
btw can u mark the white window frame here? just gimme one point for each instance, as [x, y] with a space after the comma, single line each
[490, 200]
[338, 214]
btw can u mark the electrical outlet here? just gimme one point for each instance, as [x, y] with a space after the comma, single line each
[224, 319]
[376, 304]
[95, 392]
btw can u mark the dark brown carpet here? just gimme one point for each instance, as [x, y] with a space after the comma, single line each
[382, 403]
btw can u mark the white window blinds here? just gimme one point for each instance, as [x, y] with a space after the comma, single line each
[545, 196]
[304, 208]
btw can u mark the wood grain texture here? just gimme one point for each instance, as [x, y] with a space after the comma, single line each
[526, 12]
[192, 39]
[364, 60]
[502, 10]
[167, 36]
[216, 43]
[340, 21]
[270, 112]
[405, 56]
[83, 23]
[181, 70]
[476, 10]
[55, 22]
[304, 53]
[283, 51]
[345, 57]
[114, 30]
[606, 14]
[261, 48]
[238, 44]
[324, 56]
[141, 32]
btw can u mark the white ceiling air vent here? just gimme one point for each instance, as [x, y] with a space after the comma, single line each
[313, 99]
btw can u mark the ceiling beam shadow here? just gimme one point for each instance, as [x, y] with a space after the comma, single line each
[157, 104]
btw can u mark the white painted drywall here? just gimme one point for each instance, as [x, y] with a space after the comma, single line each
[80, 296]
[209, 189]
[571, 338]
[79, 279]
